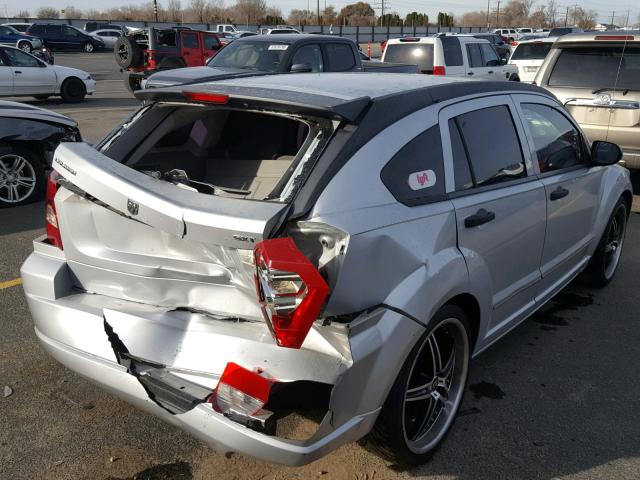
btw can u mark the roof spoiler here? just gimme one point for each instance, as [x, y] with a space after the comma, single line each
[264, 99]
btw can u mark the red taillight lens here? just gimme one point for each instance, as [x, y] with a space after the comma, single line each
[439, 71]
[290, 289]
[515, 44]
[151, 61]
[241, 390]
[615, 37]
[207, 97]
[53, 230]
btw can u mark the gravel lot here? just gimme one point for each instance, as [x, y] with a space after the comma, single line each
[557, 398]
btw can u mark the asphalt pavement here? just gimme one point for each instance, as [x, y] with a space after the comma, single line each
[558, 397]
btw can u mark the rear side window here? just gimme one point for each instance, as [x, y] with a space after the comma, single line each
[452, 51]
[341, 57]
[36, 28]
[420, 54]
[210, 42]
[461, 170]
[531, 51]
[556, 140]
[475, 58]
[492, 145]
[415, 175]
[54, 29]
[190, 40]
[597, 67]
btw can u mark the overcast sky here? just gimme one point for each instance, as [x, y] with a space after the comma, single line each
[431, 7]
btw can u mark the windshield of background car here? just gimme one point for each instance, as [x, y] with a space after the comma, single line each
[531, 51]
[420, 54]
[261, 56]
[597, 67]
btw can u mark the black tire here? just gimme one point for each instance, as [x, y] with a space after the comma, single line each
[601, 270]
[73, 90]
[132, 83]
[128, 53]
[88, 47]
[35, 170]
[25, 46]
[171, 62]
[41, 97]
[389, 435]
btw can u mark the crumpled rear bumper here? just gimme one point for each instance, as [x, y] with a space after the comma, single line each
[71, 326]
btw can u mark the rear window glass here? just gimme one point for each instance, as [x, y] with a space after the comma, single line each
[452, 51]
[531, 51]
[475, 57]
[597, 67]
[420, 54]
[415, 175]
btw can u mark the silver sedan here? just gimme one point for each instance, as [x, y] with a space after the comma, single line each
[108, 36]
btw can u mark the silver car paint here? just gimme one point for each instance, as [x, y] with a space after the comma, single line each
[407, 257]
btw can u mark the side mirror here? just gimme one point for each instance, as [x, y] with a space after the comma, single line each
[605, 153]
[300, 68]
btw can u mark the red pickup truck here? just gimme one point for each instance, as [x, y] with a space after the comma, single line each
[144, 52]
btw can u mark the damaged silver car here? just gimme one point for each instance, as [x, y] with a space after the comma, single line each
[280, 265]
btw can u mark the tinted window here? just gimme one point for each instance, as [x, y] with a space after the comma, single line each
[415, 174]
[491, 141]
[461, 170]
[475, 58]
[71, 32]
[340, 57]
[597, 67]
[190, 40]
[420, 54]
[18, 58]
[54, 29]
[5, 31]
[262, 56]
[556, 140]
[310, 55]
[452, 51]
[36, 28]
[531, 51]
[210, 42]
[490, 56]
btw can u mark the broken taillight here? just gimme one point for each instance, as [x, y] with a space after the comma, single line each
[51, 216]
[291, 291]
[241, 395]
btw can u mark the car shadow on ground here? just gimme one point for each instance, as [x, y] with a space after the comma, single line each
[22, 218]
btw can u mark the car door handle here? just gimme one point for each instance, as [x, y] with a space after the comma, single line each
[558, 193]
[490, 71]
[480, 217]
[469, 73]
[17, 71]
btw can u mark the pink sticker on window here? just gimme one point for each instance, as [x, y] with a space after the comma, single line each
[423, 179]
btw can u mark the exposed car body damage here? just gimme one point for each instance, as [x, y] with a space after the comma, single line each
[214, 279]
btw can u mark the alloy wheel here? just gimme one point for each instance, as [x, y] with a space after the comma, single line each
[435, 385]
[615, 239]
[17, 178]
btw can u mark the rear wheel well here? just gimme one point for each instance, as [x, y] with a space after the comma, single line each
[469, 304]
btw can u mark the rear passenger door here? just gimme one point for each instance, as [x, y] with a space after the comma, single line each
[571, 187]
[499, 202]
[191, 48]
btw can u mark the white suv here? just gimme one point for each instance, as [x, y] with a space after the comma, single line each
[450, 55]
[509, 33]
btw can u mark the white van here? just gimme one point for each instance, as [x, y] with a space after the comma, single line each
[529, 55]
[450, 55]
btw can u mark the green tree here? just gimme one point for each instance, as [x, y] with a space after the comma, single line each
[389, 19]
[417, 19]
